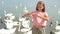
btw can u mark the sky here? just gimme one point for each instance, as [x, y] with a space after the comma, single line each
[17, 7]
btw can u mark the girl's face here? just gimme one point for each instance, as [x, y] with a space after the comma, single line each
[40, 7]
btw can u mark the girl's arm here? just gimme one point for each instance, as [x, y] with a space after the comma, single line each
[27, 15]
[44, 17]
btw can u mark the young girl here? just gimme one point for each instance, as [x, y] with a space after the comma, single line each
[39, 17]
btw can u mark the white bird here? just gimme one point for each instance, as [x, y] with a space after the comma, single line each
[29, 32]
[22, 19]
[15, 23]
[9, 14]
[8, 31]
[57, 27]
[24, 30]
[9, 25]
[26, 23]
[12, 17]
[57, 32]
[8, 21]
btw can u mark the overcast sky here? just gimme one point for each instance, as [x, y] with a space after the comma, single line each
[17, 7]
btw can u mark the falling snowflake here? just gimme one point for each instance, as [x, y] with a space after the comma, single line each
[54, 5]
[4, 11]
[2, 2]
[25, 9]
[0, 17]
[59, 12]
[16, 7]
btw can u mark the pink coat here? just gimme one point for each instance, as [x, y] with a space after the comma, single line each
[37, 21]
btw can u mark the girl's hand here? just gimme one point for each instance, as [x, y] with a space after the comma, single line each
[27, 15]
[43, 17]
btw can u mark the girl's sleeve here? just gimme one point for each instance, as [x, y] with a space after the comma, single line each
[46, 14]
[31, 14]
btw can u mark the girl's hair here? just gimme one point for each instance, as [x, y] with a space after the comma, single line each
[40, 2]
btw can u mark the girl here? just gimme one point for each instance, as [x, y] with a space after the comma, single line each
[39, 17]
